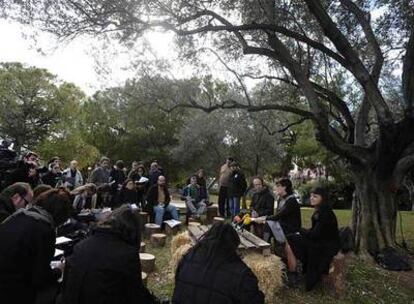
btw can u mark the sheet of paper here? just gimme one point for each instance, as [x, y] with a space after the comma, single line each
[62, 239]
[58, 252]
[172, 223]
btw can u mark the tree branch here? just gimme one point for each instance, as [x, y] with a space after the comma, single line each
[408, 75]
[356, 66]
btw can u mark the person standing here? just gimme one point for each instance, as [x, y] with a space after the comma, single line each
[224, 176]
[236, 188]
[101, 174]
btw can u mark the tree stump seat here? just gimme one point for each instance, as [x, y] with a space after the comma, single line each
[335, 279]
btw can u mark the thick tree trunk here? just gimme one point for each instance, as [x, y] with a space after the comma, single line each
[374, 212]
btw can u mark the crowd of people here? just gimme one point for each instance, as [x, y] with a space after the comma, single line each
[104, 267]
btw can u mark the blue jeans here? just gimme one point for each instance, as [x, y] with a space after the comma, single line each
[159, 213]
[234, 205]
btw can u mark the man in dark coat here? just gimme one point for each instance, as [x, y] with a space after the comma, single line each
[262, 201]
[236, 188]
[213, 273]
[14, 197]
[105, 268]
[27, 241]
[158, 201]
[262, 204]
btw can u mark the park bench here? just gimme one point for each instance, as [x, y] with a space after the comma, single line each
[248, 241]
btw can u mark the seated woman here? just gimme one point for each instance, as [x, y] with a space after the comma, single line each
[212, 272]
[289, 218]
[195, 199]
[85, 197]
[128, 194]
[27, 241]
[105, 268]
[158, 201]
[262, 204]
[317, 246]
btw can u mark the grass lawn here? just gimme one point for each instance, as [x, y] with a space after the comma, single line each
[366, 282]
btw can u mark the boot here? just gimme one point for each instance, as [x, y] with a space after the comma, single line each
[292, 279]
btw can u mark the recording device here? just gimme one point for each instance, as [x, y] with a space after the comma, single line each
[8, 161]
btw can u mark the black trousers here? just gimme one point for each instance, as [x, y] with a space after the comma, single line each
[223, 202]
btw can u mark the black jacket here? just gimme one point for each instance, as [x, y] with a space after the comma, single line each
[288, 216]
[229, 283]
[318, 245]
[263, 202]
[6, 208]
[27, 248]
[104, 269]
[237, 184]
[51, 179]
[21, 174]
[126, 196]
[152, 197]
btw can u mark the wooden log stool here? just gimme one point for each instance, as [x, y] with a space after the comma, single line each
[170, 231]
[158, 239]
[143, 219]
[335, 279]
[142, 247]
[147, 262]
[218, 219]
[144, 277]
[211, 214]
[150, 229]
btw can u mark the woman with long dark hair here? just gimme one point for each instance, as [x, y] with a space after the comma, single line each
[213, 273]
[317, 246]
[105, 268]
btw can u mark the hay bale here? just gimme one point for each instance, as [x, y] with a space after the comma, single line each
[178, 255]
[179, 240]
[268, 270]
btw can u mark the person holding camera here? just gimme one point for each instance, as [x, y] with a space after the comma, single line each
[53, 178]
[26, 171]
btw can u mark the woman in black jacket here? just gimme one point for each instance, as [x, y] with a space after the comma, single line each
[288, 216]
[317, 246]
[27, 241]
[128, 194]
[105, 268]
[213, 273]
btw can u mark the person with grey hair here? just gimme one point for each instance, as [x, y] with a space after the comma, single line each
[105, 268]
[14, 197]
[72, 176]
